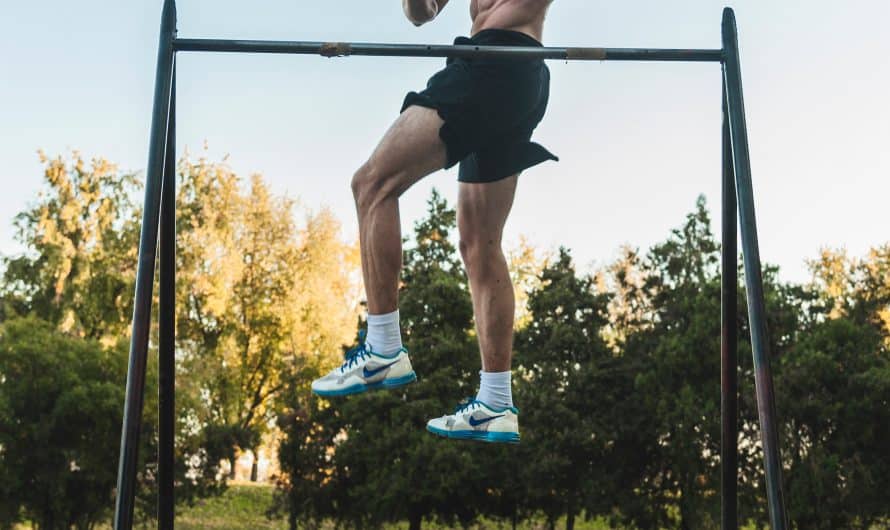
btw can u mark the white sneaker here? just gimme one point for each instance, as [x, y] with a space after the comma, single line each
[365, 370]
[474, 420]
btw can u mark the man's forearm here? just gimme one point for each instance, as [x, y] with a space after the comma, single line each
[422, 11]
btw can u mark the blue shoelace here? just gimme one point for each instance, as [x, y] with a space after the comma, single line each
[466, 404]
[356, 354]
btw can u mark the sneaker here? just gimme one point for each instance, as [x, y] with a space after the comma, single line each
[365, 370]
[474, 420]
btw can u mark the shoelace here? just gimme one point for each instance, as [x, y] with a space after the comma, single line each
[467, 404]
[356, 354]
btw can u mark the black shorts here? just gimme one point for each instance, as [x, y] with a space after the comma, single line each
[490, 108]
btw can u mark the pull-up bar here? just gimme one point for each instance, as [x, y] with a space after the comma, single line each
[342, 49]
[158, 232]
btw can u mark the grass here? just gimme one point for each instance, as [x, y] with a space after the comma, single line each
[243, 505]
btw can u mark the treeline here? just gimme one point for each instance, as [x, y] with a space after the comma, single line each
[618, 378]
[616, 373]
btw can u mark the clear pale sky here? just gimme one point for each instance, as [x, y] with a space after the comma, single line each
[638, 142]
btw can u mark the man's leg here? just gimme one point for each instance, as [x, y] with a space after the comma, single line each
[409, 151]
[482, 210]
[481, 214]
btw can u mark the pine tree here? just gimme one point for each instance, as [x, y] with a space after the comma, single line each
[573, 391]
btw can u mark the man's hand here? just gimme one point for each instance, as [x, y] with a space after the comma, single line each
[420, 12]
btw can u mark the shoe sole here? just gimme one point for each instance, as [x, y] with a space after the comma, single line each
[360, 388]
[480, 436]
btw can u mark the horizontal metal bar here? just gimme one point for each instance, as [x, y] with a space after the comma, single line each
[342, 49]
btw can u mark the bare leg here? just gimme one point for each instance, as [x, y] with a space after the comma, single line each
[410, 150]
[481, 214]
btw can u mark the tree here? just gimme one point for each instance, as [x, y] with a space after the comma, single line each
[681, 374]
[238, 254]
[834, 384]
[76, 277]
[81, 237]
[260, 300]
[573, 389]
[630, 308]
[207, 268]
[526, 264]
[60, 416]
[857, 288]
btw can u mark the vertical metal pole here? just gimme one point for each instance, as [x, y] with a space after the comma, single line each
[753, 276]
[167, 327]
[729, 405]
[148, 243]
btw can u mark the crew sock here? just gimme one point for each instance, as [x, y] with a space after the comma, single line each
[384, 335]
[495, 389]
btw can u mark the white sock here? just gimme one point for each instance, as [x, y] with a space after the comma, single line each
[495, 389]
[384, 334]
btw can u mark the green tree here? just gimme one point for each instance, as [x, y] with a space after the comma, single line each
[305, 490]
[60, 416]
[835, 387]
[680, 382]
[573, 389]
[834, 384]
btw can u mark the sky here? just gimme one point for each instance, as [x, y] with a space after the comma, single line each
[638, 142]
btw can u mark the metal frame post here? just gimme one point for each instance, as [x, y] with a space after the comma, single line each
[729, 296]
[148, 243]
[753, 273]
[167, 327]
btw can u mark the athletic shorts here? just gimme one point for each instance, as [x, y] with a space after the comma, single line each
[490, 108]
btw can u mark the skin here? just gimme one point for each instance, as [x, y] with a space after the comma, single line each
[526, 16]
[412, 149]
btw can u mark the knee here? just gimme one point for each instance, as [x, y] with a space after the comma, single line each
[480, 253]
[370, 186]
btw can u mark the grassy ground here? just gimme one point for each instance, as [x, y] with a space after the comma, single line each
[241, 506]
[244, 506]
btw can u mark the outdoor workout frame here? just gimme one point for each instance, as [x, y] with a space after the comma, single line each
[158, 230]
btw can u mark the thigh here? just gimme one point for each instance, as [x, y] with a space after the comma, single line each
[410, 149]
[483, 208]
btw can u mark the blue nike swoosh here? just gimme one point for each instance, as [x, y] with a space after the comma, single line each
[475, 423]
[371, 373]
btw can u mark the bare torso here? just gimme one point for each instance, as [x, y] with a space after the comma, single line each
[526, 16]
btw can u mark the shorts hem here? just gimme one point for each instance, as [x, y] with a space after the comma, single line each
[501, 162]
[449, 136]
